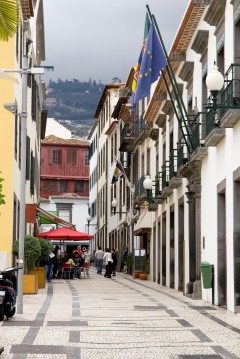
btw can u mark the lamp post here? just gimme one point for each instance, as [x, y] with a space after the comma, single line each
[25, 71]
[214, 82]
[88, 218]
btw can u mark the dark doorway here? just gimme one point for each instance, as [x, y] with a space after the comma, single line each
[192, 238]
[164, 248]
[180, 245]
[236, 243]
[221, 249]
[172, 248]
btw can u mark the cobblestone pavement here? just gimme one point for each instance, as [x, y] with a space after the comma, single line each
[118, 318]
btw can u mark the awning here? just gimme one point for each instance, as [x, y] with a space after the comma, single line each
[54, 219]
[141, 231]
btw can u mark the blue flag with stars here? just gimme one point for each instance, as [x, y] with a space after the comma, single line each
[153, 62]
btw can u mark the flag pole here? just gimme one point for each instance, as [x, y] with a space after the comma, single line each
[178, 97]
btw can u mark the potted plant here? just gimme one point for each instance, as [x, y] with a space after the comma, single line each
[46, 249]
[32, 251]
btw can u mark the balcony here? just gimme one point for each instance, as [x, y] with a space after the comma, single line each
[174, 180]
[140, 193]
[127, 139]
[198, 135]
[162, 189]
[223, 105]
[214, 134]
[230, 98]
[142, 130]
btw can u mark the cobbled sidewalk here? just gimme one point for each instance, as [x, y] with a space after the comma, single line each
[118, 318]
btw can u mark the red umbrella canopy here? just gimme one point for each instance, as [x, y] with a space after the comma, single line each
[65, 233]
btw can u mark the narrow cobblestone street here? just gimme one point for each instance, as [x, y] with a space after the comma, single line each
[118, 318]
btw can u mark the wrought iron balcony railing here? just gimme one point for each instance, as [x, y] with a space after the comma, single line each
[127, 139]
[140, 193]
[141, 130]
[230, 96]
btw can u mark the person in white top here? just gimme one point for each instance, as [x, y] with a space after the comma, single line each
[108, 259]
[87, 258]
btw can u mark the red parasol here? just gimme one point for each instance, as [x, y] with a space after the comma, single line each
[65, 233]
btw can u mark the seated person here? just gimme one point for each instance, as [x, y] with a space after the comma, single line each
[73, 273]
[78, 260]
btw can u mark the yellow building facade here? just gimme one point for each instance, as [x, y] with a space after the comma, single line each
[7, 124]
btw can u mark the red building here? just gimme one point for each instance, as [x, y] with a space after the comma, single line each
[64, 167]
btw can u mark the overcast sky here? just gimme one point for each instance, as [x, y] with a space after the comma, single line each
[102, 39]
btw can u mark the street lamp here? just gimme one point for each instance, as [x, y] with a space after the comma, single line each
[114, 205]
[88, 218]
[147, 185]
[214, 82]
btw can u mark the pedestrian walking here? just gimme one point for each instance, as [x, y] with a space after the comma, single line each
[114, 262]
[49, 266]
[99, 259]
[108, 259]
[87, 259]
[57, 261]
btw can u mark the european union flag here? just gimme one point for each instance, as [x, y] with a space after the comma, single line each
[153, 62]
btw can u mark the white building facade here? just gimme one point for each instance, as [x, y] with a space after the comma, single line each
[186, 142]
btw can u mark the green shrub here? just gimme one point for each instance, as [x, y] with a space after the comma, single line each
[32, 250]
[46, 248]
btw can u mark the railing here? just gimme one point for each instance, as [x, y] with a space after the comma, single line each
[158, 184]
[230, 96]
[182, 154]
[165, 174]
[139, 189]
[173, 163]
[141, 125]
[198, 129]
[126, 132]
[211, 121]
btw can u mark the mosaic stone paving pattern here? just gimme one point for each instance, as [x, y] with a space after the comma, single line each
[118, 318]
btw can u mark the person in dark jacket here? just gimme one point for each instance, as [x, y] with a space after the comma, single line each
[114, 262]
[49, 266]
[56, 261]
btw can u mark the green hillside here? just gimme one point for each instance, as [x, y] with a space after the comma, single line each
[73, 103]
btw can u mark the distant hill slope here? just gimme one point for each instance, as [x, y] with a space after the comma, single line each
[73, 103]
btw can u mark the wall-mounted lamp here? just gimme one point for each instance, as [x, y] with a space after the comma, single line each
[148, 185]
[11, 107]
[114, 206]
[214, 82]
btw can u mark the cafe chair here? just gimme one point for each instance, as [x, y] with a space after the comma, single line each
[67, 270]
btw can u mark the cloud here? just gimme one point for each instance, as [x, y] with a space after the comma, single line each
[102, 39]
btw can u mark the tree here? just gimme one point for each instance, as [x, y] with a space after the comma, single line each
[9, 15]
